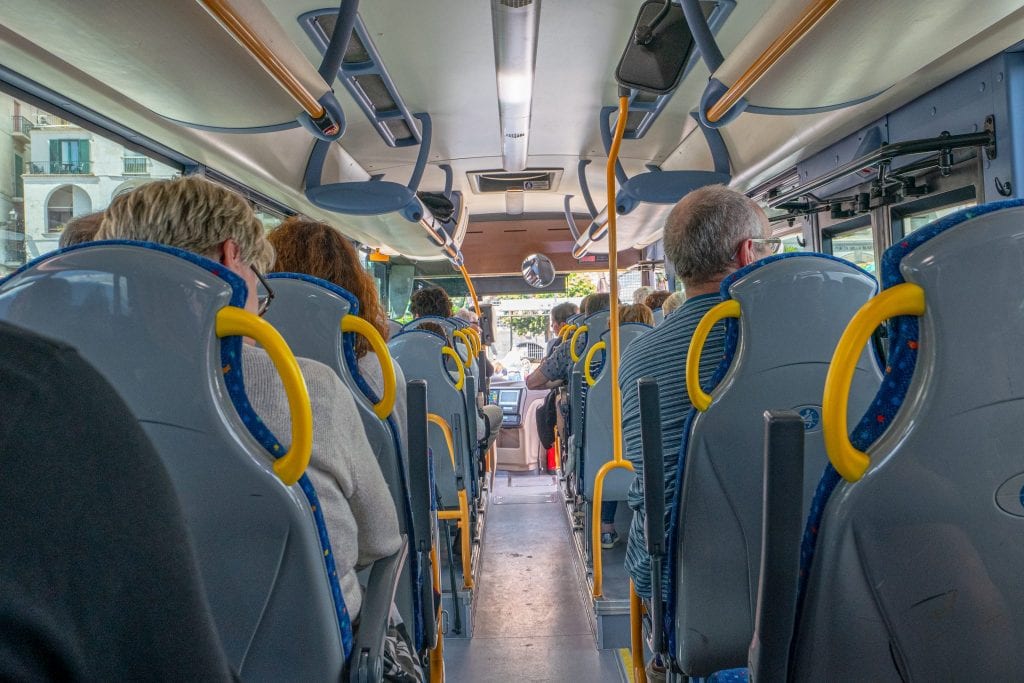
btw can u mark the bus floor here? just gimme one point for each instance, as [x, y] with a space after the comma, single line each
[531, 621]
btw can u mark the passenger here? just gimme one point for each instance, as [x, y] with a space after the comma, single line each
[710, 233]
[435, 329]
[637, 313]
[554, 370]
[640, 294]
[490, 414]
[674, 301]
[656, 299]
[98, 580]
[199, 216]
[80, 229]
[430, 301]
[317, 249]
[560, 314]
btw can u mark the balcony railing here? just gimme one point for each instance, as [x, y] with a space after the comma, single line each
[60, 167]
[22, 125]
[136, 166]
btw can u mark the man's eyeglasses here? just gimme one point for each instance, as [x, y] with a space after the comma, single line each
[771, 244]
[264, 299]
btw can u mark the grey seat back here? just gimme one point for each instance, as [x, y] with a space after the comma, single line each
[149, 328]
[469, 388]
[917, 570]
[793, 308]
[307, 312]
[659, 316]
[597, 441]
[419, 353]
[597, 324]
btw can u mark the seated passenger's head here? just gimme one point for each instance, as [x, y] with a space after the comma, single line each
[595, 302]
[711, 232]
[560, 313]
[674, 301]
[196, 215]
[656, 298]
[435, 329]
[636, 313]
[430, 301]
[313, 248]
[640, 294]
[470, 317]
[80, 229]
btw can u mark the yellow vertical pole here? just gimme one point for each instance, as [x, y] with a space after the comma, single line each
[636, 635]
[613, 354]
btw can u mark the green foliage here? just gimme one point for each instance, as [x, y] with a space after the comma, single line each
[528, 325]
[578, 285]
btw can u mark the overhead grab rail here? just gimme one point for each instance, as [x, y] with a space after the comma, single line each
[811, 15]
[323, 116]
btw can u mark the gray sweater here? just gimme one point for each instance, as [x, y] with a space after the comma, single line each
[354, 498]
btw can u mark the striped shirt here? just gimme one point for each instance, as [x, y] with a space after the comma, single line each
[661, 354]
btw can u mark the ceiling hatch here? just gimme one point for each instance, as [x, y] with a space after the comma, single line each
[530, 180]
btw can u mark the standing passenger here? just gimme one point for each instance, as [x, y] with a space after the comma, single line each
[317, 249]
[196, 215]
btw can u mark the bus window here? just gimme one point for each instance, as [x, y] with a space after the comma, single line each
[856, 246]
[794, 241]
[61, 171]
[268, 217]
[914, 221]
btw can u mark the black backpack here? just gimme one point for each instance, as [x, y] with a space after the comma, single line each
[547, 418]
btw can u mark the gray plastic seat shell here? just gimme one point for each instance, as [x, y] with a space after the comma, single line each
[793, 312]
[255, 538]
[308, 316]
[917, 572]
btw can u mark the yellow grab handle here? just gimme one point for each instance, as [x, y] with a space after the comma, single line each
[474, 336]
[461, 334]
[449, 351]
[904, 299]
[727, 309]
[566, 331]
[590, 356]
[446, 430]
[572, 344]
[353, 323]
[233, 321]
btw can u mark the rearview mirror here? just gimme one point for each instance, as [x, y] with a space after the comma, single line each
[538, 271]
[657, 50]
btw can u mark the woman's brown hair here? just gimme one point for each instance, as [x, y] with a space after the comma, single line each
[317, 249]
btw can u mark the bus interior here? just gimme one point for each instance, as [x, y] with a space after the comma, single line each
[520, 154]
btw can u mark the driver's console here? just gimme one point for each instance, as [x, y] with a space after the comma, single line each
[511, 403]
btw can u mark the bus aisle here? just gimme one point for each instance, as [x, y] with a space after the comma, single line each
[531, 620]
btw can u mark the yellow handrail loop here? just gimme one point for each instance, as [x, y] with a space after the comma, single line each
[233, 321]
[449, 351]
[599, 346]
[462, 514]
[903, 299]
[572, 344]
[566, 331]
[353, 323]
[461, 334]
[727, 309]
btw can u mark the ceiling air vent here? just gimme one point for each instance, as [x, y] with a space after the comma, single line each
[531, 180]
